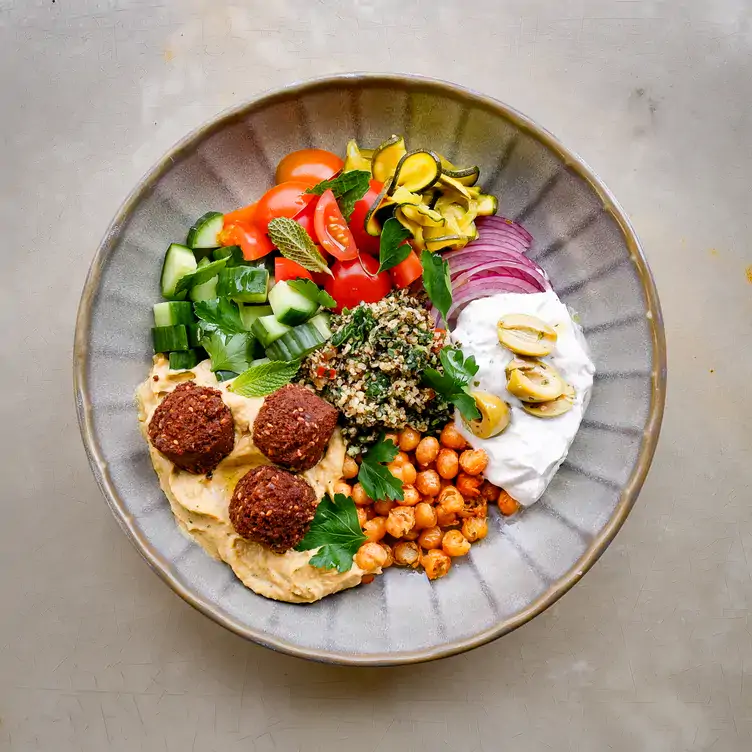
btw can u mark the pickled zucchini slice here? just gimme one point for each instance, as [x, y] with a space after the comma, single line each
[386, 158]
[371, 223]
[357, 158]
[466, 176]
[417, 171]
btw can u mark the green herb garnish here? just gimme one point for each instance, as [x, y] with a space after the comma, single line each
[357, 329]
[336, 532]
[296, 244]
[348, 188]
[265, 378]
[453, 384]
[313, 292]
[436, 281]
[393, 249]
[219, 314]
[378, 483]
[228, 352]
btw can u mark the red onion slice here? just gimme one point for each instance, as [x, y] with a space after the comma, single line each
[507, 225]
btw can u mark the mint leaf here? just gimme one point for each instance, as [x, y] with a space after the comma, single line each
[219, 314]
[264, 378]
[393, 249]
[313, 292]
[436, 281]
[296, 244]
[452, 385]
[336, 532]
[378, 483]
[348, 188]
[228, 352]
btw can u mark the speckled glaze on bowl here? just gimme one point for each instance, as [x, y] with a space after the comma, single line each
[582, 239]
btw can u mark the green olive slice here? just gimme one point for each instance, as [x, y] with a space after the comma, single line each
[526, 335]
[535, 381]
[495, 415]
[552, 409]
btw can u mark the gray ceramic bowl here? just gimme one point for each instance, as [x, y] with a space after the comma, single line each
[582, 239]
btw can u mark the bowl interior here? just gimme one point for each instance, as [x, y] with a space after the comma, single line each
[582, 240]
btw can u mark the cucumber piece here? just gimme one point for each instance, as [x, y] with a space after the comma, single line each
[205, 291]
[201, 275]
[417, 171]
[203, 261]
[296, 343]
[179, 261]
[386, 157]
[249, 313]
[233, 254]
[169, 338]
[244, 284]
[194, 335]
[204, 232]
[181, 360]
[267, 329]
[321, 321]
[289, 306]
[173, 312]
[225, 375]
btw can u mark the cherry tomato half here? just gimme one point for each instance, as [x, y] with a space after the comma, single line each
[331, 229]
[305, 217]
[284, 200]
[407, 271]
[365, 242]
[285, 269]
[254, 243]
[309, 165]
[357, 281]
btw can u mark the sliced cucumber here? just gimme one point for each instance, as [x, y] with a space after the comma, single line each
[386, 157]
[225, 375]
[291, 307]
[417, 171]
[181, 360]
[244, 284]
[267, 329]
[179, 261]
[204, 232]
[201, 275]
[169, 338]
[321, 321]
[297, 343]
[203, 261]
[249, 313]
[194, 335]
[205, 291]
[173, 312]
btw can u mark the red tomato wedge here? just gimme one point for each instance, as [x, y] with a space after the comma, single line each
[365, 243]
[309, 164]
[254, 243]
[332, 230]
[285, 269]
[356, 281]
[243, 216]
[407, 271]
[284, 200]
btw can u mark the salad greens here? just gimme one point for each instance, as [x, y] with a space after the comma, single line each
[453, 384]
[393, 249]
[437, 282]
[295, 243]
[264, 378]
[348, 188]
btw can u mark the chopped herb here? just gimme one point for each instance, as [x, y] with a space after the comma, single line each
[357, 329]
[378, 483]
[228, 352]
[219, 314]
[452, 385]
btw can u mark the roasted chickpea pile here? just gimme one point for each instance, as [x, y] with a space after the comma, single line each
[444, 509]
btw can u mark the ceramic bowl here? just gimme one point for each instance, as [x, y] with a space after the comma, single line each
[582, 239]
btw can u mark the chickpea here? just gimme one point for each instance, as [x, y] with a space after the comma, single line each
[507, 505]
[359, 496]
[340, 487]
[473, 461]
[370, 556]
[411, 535]
[475, 528]
[400, 458]
[444, 518]
[349, 468]
[409, 473]
[391, 437]
[370, 514]
[375, 529]
[452, 438]
[427, 451]
[455, 544]
[469, 485]
[367, 579]
[436, 563]
[489, 492]
[428, 483]
[409, 438]
[451, 501]
[447, 463]
[400, 521]
[384, 507]
[474, 508]
[431, 538]
[407, 554]
[425, 515]
[389, 555]
[362, 516]
[395, 470]
[412, 497]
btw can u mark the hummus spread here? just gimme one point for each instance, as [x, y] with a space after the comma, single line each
[200, 504]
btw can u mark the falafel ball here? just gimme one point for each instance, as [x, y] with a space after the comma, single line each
[193, 428]
[273, 507]
[294, 426]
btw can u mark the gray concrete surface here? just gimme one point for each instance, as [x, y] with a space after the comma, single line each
[652, 651]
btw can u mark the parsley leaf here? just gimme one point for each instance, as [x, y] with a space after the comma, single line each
[357, 329]
[393, 249]
[228, 352]
[296, 244]
[436, 281]
[348, 188]
[313, 292]
[378, 483]
[219, 314]
[452, 385]
[336, 532]
[264, 378]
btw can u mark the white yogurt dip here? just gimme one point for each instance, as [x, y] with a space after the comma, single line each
[523, 459]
